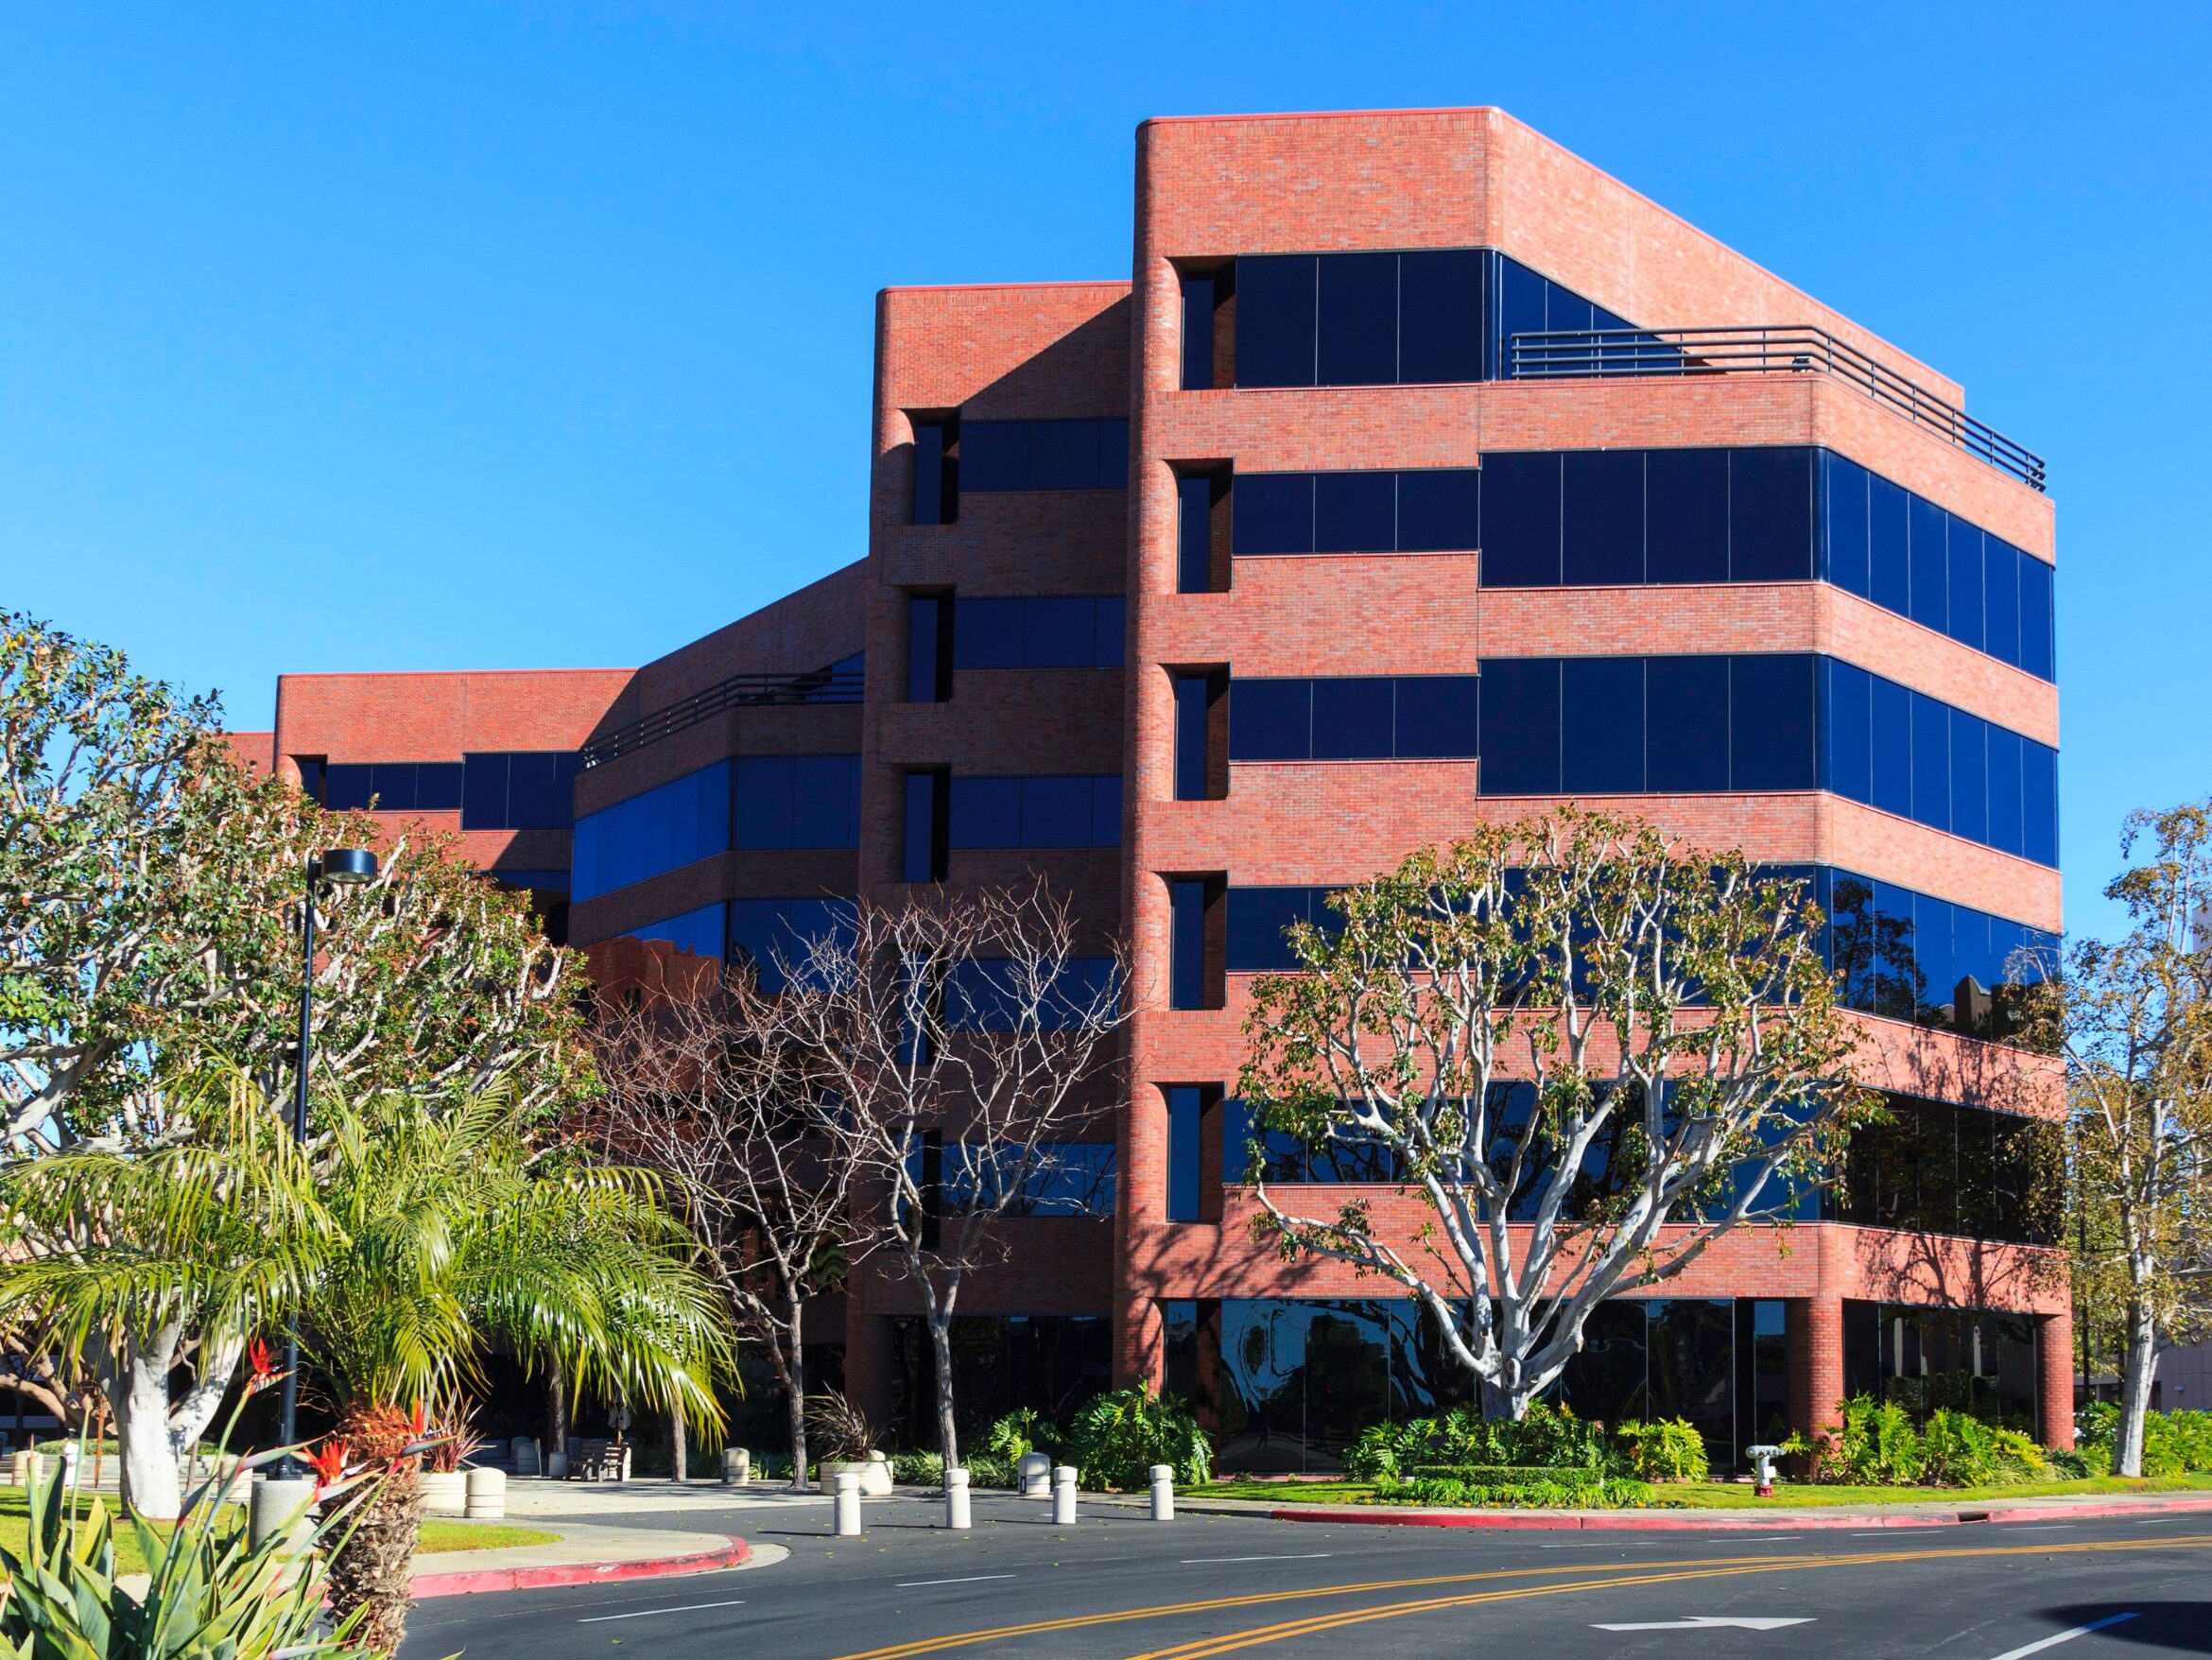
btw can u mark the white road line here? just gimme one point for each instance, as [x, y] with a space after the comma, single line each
[2038, 1527]
[2064, 1636]
[641, 1612]
[1307, 1556]
[971, 1579]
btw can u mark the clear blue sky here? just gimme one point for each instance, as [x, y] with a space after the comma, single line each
[410, 335]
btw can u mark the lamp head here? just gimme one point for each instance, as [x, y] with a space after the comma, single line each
[347, 866]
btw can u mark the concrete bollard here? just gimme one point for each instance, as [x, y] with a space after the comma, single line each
[1033, 1475]
[1163, 1492]
[486, 1495]
[955, 1499]
[1063, 1495]
[736, 1466]
[845, 1507]
[280, 1506]
[527, 1459]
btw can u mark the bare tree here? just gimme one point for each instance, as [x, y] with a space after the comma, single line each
[722, 1094]
[972, 1039]
[1592, 1053]
[2134, 1021]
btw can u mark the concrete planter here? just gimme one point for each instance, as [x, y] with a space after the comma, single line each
[874, 1472]
[736, 1466]
[445, 1492]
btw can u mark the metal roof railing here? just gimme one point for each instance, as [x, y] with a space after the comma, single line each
[1782, 349]
[832, 685]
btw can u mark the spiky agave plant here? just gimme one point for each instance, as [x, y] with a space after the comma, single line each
[211, 1594]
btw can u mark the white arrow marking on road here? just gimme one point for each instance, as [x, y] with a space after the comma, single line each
[1706, 1622]
[2064, 1636]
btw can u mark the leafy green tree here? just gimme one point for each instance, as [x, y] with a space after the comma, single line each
[1588, 1051]
[2133, 1019]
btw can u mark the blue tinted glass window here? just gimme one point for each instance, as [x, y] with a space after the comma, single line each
[1892, 747]
[1257, 922]
[1843, 500]
[1114, 454]
[1932, 762]
[1357, 329]
[1848, 732]
[661, 829]
[1270, 719]
[1889, 545]
[1187, 945]
[925, 667]
[1969, 776]
[1565, 309]
[765, 801]
[2038, 647]
[1198, 334]
[699, 932]
[1351, 719]
[1933, 954]
[1275, 319]
[1601, 725]
[437, 786]
[1272, 512]
[1355, 512]
[922, 858]
[1602, 517]
[987, 634]
[1060, 633]
[1520, 726]
[1064, 455]
[773, 935]
[931, 504]
[1965, 613]
[986, 812]
[484, 790]
[1769, 515]
[1437, 714]
[1439, 316]
[1686, 724]
[1930, 583]
[2002, 601]
[1056, 812]
[2007, 815]
[1185, 1121]
[1686, 516]
[994, 455]
[1770, 723]
[1191, 698]
[2039, 801]
[1106, 810]
[346, 787]
[1520, 521]
[1111, 626]
[1439, 509]
[1520, 307]
[534, 796]
[1193, 535]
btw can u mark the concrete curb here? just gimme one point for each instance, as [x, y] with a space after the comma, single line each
[1723, 1521]
[463, 1581]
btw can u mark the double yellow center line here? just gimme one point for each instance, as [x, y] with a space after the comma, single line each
[1627, 1574]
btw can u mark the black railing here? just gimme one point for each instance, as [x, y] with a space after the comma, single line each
[1796, 348]
[740, 691]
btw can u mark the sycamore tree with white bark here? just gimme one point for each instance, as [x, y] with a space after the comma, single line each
[2133, 1019]
[1589, 1051]
[151, 893]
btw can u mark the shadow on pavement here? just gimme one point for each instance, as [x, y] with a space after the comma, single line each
[2179, 1628]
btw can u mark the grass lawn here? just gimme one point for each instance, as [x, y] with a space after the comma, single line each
[438, 1533]
[1738, 1495]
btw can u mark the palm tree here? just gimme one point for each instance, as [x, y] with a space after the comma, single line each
[406, 1237]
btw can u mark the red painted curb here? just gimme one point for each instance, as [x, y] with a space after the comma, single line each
[577, 1573]
[1715, 1521]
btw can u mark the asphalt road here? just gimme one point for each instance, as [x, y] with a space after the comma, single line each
[1121, 1588]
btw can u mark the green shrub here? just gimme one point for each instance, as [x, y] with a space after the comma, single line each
[1117, 1439]
[1548, 1438]
[921, 1469]
[1876, 1445]
[1556, 1489]
[1670, 1450]
[986, 1470]
[1383, 1448]
[2174, 1443]
[1023, 1430]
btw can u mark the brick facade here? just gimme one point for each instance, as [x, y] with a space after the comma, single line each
[1211, 190]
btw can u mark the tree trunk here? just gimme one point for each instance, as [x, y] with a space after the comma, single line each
[677, 1449]
[371, 1568]
[941, 1346]
[556, 1410]
[139, 1389]
[2142, 1362]
[795, 1389]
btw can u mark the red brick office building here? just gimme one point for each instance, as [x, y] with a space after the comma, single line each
[1417, 470]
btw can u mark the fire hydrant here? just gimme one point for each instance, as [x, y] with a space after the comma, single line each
[1763, 1468]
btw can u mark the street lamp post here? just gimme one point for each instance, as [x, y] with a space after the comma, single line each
[346, 867]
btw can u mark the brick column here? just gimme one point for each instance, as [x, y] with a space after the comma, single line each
[2054, 1364]
[1140, 1340]
[1813, 1330]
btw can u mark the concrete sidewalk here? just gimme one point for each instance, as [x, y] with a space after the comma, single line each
[532, 1498]
[586, 1553]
